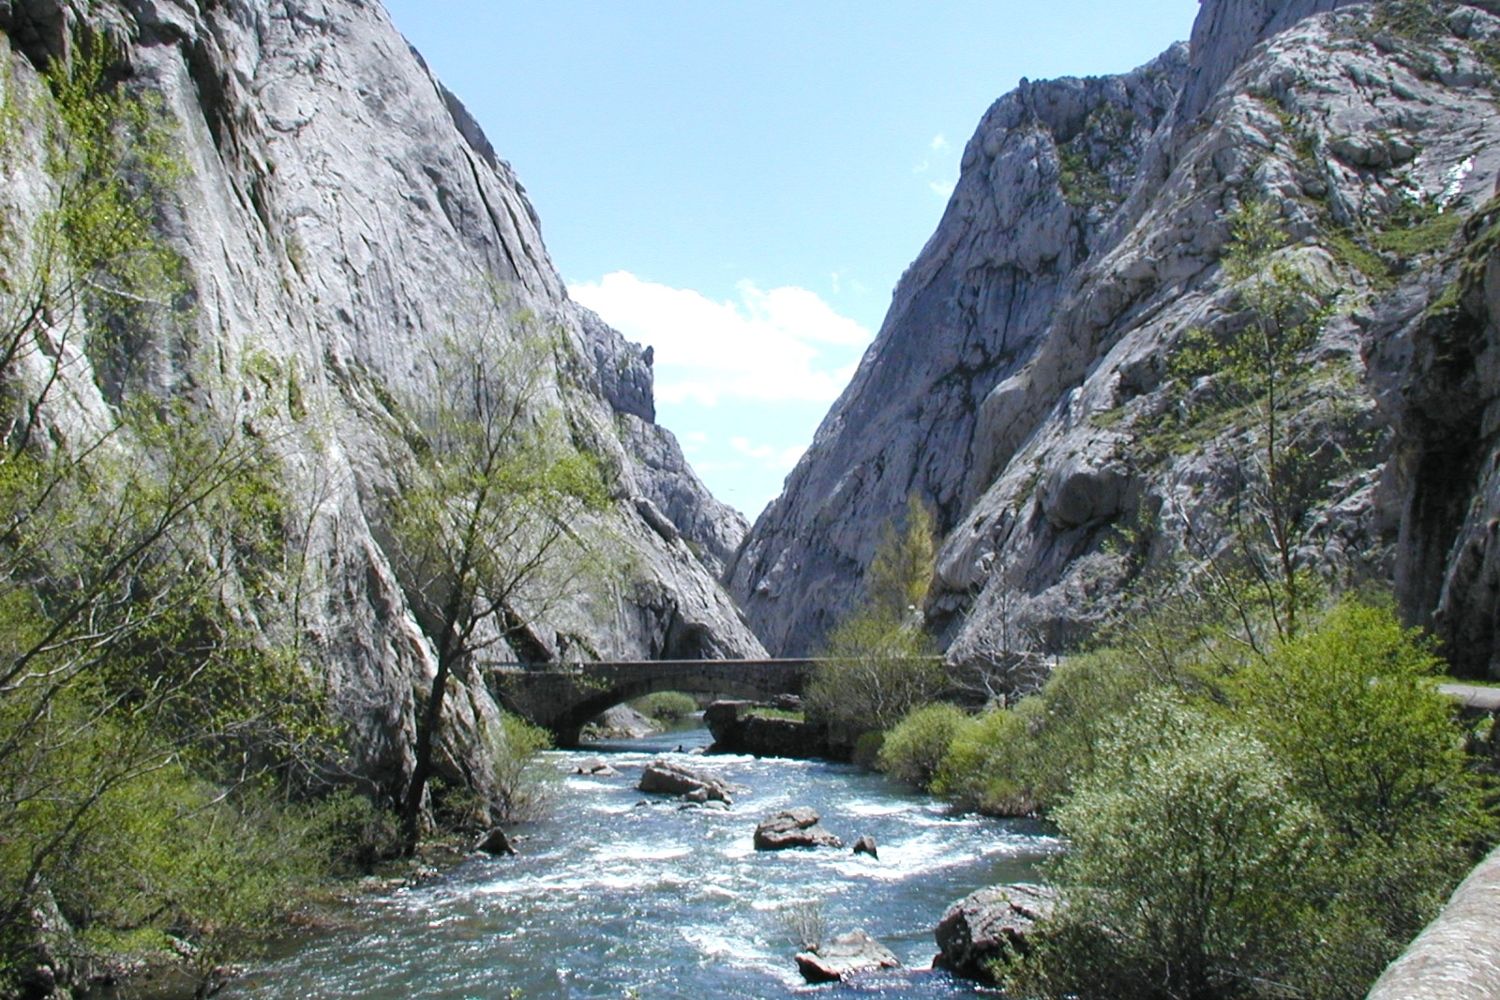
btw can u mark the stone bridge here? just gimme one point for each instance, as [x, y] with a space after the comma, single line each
[563, 698]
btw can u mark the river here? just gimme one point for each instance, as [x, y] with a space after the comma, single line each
[615, 898]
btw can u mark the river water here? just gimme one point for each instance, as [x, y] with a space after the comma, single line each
[615, 898]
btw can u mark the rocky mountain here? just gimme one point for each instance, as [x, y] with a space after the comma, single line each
[1022, 383]
[338, 213]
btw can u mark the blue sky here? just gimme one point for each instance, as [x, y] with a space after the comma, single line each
[741, 184]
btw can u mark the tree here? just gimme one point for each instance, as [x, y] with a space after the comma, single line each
[130, 701]
[484, 526]
[900, 572]
[880, 663]
[1256, 367]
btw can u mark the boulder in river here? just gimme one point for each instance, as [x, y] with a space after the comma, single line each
[990, 924]
[495, 842]
[595, 767]
[798, 827]
[668, 778]
[845, 956]
[866, 845]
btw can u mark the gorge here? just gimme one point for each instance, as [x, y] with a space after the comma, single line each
[329, 221]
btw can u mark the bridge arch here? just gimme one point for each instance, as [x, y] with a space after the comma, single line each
[564, 700]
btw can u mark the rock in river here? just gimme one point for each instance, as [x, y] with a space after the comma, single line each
[666, 778]
[495, 842]
[844, 956]
[866, 845]
[990, 924]
[793, 828]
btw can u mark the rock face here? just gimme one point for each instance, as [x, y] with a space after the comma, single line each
[339, 214]
[1020, 384]
[845, 956]
[990, 924]
[801, 827]
[1443, 401]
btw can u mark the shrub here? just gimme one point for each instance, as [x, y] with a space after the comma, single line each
[1284, 838]
[355, 833]
[666, 706]
[522, 788]
[1351, 710]
[914, 750]
[989, 762]
[1016, 761]
[1185, 839]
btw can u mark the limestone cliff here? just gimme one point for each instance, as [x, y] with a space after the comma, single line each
[339, 213]
[1019, 383]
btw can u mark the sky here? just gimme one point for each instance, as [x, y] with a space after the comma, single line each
[740, 184]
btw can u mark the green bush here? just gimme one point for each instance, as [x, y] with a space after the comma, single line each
[1352, 711]
[522, 785]
[1285, 837]
[355, 833]
[987, 762]
[914, 750]
[1185, 841]
[666, 706]
[1016, 761]
[878, 669]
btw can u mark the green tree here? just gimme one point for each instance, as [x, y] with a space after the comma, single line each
[1258, 364]
[880, 663]
[485, 528]
[900, 572]
[131, 705]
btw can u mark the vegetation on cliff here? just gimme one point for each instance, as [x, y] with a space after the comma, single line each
[148, 733]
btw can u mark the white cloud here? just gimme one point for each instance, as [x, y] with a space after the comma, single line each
[778, 345]
[940, 161]
[768, 456]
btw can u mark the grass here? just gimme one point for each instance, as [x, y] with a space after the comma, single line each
[1422, 236]
[766, 712]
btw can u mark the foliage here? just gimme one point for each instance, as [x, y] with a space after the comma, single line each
[900, 572]
[487, 532]
[522, 784]
[879, 663]
[1260, 364]
[666, 706]
[143, 726]
[1184, 841]
[1420, 228]
[914, 750]
[877, 669]
[1021, 759]
[1323, 782]
[354, 832]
